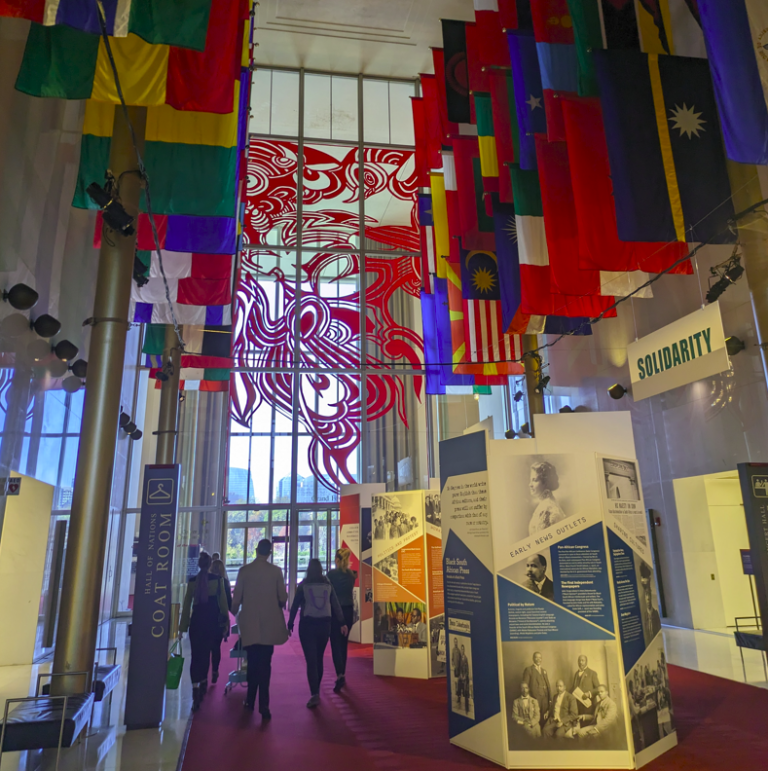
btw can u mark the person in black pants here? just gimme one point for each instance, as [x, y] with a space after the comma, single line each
[204, 614]
[218, 569]
[318, 602]
[342, 579]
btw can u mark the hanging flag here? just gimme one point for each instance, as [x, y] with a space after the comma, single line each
[669, 176]
[483, 329]
[655, 27]
[505, 127]
[476, 226]
[505, 228]
[456, 72]
[587, 36]
[529, 95]
[619, 24]
[440, 223]
[489, 163]
[432, 119]
[156, 21]
[191, 158]
[427, 232]
[420, 142]
[553, 32]
[599, 244]
[562, 232]
[448, 127]
[431, 348]
[448, 377]
[179, 233]
[476, 75]
[200, 287]
[494, 51]
[507, 14]
[736, 34]
[66, 63]
[688, 37]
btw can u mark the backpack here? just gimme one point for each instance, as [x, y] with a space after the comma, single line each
[317, 600]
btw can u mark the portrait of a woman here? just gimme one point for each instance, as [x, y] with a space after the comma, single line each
[543, 482]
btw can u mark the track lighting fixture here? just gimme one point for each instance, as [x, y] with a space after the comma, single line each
[617, 391]
[166, 372]
[21, 297]
[734, 345]
[115, 215]
[727, 273]
[525, 429]
[46, 326]
[80, 369]
[126, 423]
[518, 395]
[542, 385]
[65, 351]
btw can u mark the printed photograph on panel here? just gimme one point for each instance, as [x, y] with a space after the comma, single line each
[649, 698]
[460, 675]
[534, 573]
[563, 695]
[400, 625]
[395, 521]
[432, 508]
[388, 566]
[649, 603]
[437, 645]
[623, 493]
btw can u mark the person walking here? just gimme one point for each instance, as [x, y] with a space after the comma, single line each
[317, 601]
[204, 615]
[217, 568]
[258, 603]
[342, 579]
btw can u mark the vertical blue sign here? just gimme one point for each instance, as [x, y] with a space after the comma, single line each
[145, 695]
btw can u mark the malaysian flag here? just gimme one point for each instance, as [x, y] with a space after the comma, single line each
[427, 231]
[487, 344]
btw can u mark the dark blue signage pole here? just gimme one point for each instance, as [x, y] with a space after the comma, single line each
[754, 491]
[145, 696]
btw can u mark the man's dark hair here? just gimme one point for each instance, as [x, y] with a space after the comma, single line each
[645, 571]
[542, 560]
[264, 547]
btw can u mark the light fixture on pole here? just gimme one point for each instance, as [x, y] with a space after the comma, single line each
[80, 369]
[21, 297]
[65, 351]
[727, 273]
[617, 391]
[541, 386]
[46, 326]
[734, 345]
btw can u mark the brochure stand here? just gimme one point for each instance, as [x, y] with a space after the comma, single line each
[355, 535]
[409, 621]
[555, 653]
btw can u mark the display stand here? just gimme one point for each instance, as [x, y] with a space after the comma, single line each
[409, 621]
[555, 653]
[355, 535]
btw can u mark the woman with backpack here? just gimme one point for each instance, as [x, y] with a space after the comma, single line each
[317, 600]
[204, 615]
[342, 578]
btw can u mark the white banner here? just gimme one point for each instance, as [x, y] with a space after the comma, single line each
[685, 351]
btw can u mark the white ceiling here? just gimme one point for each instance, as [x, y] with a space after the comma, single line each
[390, 38]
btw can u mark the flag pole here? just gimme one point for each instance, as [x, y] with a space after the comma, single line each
[753, 237]
[532, 364]
[89, 518]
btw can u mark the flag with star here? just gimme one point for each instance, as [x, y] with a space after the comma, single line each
[483, 330]
[529, 95]
[736, 34]
[668, 170]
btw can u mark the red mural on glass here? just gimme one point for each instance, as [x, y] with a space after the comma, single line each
[330, 406]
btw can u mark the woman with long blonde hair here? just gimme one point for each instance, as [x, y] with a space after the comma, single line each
[342, 578]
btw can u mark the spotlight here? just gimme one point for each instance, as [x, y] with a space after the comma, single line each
[112, 210]
[165, 373]
[182, 397]
[124, 419]
[65, 350]
[80, 369]
[46, 326]
[137, 434]
[525, 429]
[728, 272]
[734, 345]
[129, 428]
[510, 434]
[617, 391]
[140, 272]
[541, 385]
[565, 409]
[518, 395]
[21, 297]
[71, 384]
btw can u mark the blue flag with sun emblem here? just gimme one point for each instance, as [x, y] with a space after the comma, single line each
[479, 275]
[670, 181]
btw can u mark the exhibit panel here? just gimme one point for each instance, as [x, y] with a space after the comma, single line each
[642, 644]
[564, 657]
[407, 639]
[355, 534]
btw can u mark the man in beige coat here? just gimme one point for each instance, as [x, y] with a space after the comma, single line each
[260, 597]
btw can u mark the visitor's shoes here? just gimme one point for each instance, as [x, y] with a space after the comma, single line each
[266, 715]
[248, 706]
[214, 676]
[341, 681]
[314, 701]
[197, 698]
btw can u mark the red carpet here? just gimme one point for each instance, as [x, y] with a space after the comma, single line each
[388, 724]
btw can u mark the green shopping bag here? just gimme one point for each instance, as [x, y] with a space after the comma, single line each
[175, 668]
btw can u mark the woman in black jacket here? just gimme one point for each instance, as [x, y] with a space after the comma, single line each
[317, 601]
[342, 578]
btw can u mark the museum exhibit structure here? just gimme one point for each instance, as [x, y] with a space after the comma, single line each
[409, 638]
[355, 534]
[555, 653]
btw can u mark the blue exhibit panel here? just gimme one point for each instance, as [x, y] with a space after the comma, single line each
[627, 600]
[469, 604]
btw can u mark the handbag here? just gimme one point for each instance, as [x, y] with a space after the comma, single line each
[175, 668]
